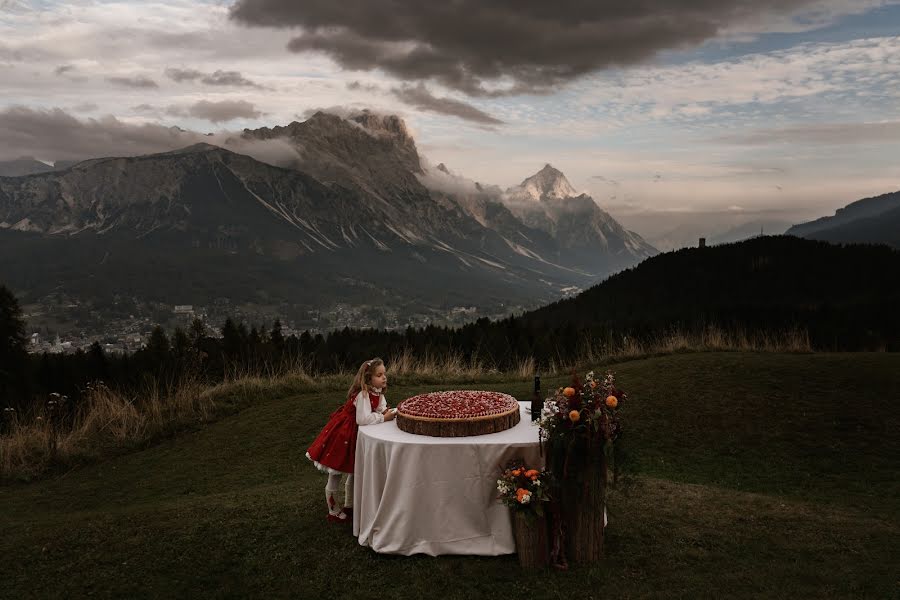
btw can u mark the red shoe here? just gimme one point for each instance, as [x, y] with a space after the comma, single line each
[338, 518]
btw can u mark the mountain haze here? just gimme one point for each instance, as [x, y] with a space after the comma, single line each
[870, 220]
[344, 217]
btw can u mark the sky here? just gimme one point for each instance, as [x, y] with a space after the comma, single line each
[668, 113]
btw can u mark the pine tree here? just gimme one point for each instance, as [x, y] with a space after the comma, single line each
[12, 350]
[277, 337]
[98, 366]
[181, 345]
[197, 332]
[231, 339]
[157, 349]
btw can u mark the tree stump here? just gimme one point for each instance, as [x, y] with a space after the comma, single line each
[531, 540]
[583, 507]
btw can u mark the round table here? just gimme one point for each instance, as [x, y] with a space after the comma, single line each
[419, 494]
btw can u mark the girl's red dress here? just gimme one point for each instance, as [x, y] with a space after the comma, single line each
[335, 446]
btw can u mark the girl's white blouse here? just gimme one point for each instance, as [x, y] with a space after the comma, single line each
[364, 413]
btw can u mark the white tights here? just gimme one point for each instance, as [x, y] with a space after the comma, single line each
[331, 489]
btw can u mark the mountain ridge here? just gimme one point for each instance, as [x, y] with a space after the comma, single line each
[859, 209]
[346, 191]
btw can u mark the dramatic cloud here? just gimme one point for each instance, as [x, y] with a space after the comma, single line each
[52, 135]
[820, 133]
[521, 45]
[366, 87]
[228, 78]
[422, 99]
[56, 135]
[134, 82]
[219, 77]
[180, 75]
[442, 180]
[226, 110]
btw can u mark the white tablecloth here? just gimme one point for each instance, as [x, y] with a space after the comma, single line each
[420, 494]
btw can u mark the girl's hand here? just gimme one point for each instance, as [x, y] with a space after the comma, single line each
[389, 415]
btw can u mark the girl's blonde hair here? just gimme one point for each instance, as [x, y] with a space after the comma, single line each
[363, 378]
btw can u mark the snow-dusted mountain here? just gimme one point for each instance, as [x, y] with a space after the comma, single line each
[587, 236]
[546, 184]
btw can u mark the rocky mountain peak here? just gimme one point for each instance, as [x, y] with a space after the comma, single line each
[548, 183]
[328, 141]
[383, 124]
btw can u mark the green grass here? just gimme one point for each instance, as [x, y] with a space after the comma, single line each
[757, 475]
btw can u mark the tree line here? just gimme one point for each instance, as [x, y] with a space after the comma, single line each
[843, 297]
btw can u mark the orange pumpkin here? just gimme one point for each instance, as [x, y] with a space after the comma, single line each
[612, 401]
[574, 416]
[569, 392]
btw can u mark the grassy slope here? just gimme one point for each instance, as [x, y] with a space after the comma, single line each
[760, 475]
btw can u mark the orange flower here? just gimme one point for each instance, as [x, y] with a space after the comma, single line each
[612, 401]
[520, 493]
[569, 392]
[532, 474]
[574, 415]
[593, 385]
[517, 472]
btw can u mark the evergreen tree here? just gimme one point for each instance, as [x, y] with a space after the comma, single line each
[98, 366]
[197, 332]
[231, 339]
[13, 353]
[181, 345]
[277, 337]
[157, 350]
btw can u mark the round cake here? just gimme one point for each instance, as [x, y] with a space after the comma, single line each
[458, 413]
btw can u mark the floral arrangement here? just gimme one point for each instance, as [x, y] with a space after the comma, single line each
[581, 420]
[524, 489]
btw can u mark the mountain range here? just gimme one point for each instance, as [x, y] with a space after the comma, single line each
[870, 220]
[28, 165]
[347, 215]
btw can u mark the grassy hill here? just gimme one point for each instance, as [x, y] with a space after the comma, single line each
[758, 475]
[843, 296]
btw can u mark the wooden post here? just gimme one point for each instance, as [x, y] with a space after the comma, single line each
[531, 540]
[583, 504]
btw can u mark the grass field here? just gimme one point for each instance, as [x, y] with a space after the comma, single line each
[755, 475]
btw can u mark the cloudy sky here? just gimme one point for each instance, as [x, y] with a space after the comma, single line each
[666, 111]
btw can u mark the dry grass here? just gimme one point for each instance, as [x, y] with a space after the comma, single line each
[712, 338]
[105, 422]
[452, 365]
[109, 422]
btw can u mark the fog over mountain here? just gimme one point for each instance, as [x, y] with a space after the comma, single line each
[350, 194]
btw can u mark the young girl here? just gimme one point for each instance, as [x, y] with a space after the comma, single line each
[334, 450]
